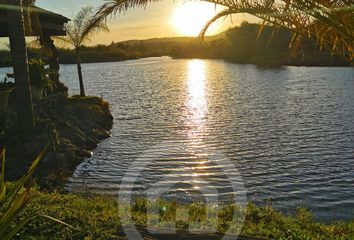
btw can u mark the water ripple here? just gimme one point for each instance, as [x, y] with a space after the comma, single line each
[289, 131]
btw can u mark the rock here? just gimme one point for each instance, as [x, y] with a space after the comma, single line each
[101, 133]
[71, 126]
[91, 143]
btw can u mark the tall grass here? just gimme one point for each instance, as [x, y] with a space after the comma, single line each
[101, 217]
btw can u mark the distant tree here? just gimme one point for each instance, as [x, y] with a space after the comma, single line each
[79, 31]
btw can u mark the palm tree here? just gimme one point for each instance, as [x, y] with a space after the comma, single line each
[329, 22]
[79, 31]
[20, 65]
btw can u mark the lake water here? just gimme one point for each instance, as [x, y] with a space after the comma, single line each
[289, 131]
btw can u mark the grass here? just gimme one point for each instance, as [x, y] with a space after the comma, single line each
[98, 217]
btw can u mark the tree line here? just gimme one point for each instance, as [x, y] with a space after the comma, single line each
[242, 44]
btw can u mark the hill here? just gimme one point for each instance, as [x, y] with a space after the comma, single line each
[241, 44]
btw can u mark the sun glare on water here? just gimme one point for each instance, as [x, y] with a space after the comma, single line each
[189, 18]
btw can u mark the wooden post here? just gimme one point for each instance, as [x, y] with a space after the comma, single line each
[25, 120]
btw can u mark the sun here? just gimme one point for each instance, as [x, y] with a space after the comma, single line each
[188, 19]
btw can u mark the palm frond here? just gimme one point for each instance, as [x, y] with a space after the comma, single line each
[113, 7]
[221, 14]
[83, 26]
[14, 201]
[330, 23]
[62, 41]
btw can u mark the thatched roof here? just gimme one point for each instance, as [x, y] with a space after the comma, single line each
[51, 23]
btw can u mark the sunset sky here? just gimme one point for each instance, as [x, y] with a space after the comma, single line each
[162, 19]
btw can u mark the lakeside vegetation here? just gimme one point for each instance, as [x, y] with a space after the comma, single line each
[239, 44]
[98, 217]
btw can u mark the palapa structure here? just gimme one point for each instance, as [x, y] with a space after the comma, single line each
[19, 19]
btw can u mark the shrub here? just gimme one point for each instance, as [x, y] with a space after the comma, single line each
[39, 75]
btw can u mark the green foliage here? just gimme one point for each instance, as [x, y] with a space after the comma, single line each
[5, 85]
[94, 217]
[243, 44]
[100, 217]
[78, 32]
[14, 198]
[5, 58]
[329, 22]
[82, 28]
[39, 75]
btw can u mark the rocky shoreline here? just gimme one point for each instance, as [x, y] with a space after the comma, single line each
[71, 126]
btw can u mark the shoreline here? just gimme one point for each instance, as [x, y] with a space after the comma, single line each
[70, 126]
[103, 217]
[220, 59]
[260, 64]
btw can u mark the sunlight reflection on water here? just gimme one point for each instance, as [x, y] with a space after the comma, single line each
[195, 116]
[196, 98]
[289, 131]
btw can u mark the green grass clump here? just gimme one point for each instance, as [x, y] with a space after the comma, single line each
[99, 217]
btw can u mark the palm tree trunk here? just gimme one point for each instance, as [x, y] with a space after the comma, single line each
[78, 63]
[25, 119]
